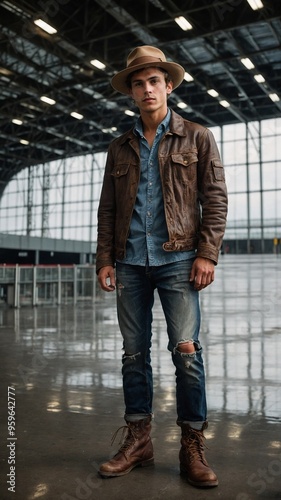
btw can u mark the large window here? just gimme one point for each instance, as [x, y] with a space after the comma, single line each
[60, 199]
[251, 155]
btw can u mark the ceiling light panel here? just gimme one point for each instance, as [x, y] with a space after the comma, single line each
[213, 92]
[183, 23]
[188, 77]
[45, 26]
[76, 115]
[259, 78]
[247, 63]
[47, 100]
[98, 64]
[274, 97]
[255, 4]
[224, 103]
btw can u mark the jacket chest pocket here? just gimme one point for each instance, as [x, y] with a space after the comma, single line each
[120, 170]
[125, 182]
[185, 166]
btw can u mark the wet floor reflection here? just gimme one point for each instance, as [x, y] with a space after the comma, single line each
[78, 349]
[65, 363]
[242, 322]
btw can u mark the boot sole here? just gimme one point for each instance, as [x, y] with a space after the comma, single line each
[145, 463]
[203, 484]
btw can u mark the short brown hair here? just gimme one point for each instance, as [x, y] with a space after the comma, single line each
[167, 77]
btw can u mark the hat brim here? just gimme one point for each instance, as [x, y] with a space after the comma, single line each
[176, 72]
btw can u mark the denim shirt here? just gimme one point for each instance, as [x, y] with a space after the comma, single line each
[148, 229]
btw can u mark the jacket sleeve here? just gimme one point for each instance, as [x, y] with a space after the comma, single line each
[212, 194]
[106, 218]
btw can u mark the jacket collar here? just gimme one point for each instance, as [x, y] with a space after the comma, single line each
[177, 124]
[176, 127]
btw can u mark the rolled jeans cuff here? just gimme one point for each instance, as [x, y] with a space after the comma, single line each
[136, 417]
[194, 425]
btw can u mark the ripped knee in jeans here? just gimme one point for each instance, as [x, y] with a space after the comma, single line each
[186, 346]
[132, 357]
[187, 350]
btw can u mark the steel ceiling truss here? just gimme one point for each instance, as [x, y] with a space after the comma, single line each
[33, 64]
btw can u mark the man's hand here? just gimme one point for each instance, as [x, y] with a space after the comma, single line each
[202, 273]
[106, 277]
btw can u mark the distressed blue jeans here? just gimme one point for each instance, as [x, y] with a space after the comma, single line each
[135, 287]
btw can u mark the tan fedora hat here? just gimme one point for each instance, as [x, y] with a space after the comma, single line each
[146, 56]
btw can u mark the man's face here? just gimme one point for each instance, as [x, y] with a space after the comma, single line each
[149, 89]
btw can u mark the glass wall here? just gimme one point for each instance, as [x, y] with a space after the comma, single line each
[60, 199]
[252, 158]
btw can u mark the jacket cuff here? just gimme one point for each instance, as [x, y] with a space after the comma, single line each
[208, 252]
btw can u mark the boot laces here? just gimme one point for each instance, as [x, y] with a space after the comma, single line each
[195, 446]
[128, 437]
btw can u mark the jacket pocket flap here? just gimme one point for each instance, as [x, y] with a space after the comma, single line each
[184, 159]
[120, 169]
[218, 170]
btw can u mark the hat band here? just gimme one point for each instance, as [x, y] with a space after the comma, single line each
[144, 60]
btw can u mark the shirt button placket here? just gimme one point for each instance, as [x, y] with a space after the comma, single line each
[149, 199]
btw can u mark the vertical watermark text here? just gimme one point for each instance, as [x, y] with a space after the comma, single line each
[11, 475]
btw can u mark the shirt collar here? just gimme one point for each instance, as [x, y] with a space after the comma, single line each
[162, 127]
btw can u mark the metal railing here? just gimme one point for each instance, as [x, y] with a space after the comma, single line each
[46, 285]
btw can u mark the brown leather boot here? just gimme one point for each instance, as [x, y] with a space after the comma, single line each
[192, 460]
[136, 450]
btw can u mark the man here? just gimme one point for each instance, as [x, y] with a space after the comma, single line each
[161, 220]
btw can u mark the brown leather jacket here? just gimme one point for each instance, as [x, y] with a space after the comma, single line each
[194, 192]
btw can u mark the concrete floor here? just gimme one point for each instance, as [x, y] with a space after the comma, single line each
[64, 364]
